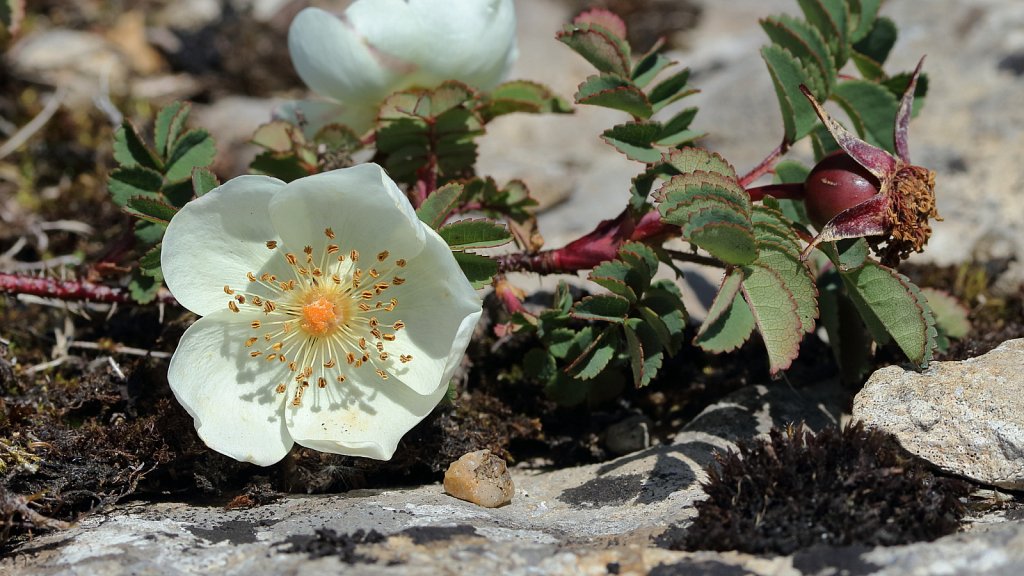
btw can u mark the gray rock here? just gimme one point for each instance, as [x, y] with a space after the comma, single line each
[629, 435]
[965, 417]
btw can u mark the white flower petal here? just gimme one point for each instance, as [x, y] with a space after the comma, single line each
[473, 41]
[362, 417]
[440, 309]
[230, 396]
[216, 239]
[334, 59]
[316, 114]
[361, 204]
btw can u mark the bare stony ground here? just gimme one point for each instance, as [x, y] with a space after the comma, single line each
[600, 519]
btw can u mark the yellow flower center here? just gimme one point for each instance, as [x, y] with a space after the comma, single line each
[321, 316]
[329, 317]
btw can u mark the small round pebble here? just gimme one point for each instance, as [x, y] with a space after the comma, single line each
[481, 478]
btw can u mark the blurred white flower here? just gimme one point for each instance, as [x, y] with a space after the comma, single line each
[331, 316]
[378, 47]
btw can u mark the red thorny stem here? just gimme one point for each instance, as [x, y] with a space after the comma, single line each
[73, 290]
[765, 166]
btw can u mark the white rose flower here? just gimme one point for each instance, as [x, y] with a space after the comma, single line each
[332, 317]
[378, 47]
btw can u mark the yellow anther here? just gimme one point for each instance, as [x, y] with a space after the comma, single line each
[329, 233]
[271, 244]
[228, 290]
[232, 306]
[383, 256]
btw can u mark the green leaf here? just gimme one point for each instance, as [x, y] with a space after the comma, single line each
[148, 233]
[891, 305]
[285, 167]
[877, 44]
[151, 209]
[665, 299]
[850, 343]
[203, 180]
[436, 208]
[729, 322]
[604, 307]
[130, 150]
[635, 140]
[523, 96]
[149, 264]
[670, 90]
[713, 212]
[278, 136]
[133, 181]
[617, 277]
[478, 269]
[848, 254]
[693, 159]
[474, 233]
[951, 316]
[775, 315]
[337, 138]
[144, 288]
[797, 278]
[643, 260]
[806, 44]
[862, 18]
[871, 108]
[595, 358]
[645, 356]
[616, 93]
[788, 74]
[830, 18]
[649, 66]
[194, 149]
[165, 120]
[603, 49]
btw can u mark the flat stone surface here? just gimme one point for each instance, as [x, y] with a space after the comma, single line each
[965, 417]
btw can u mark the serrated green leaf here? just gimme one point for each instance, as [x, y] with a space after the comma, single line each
[649, 66]
[892, 305]
[951, 316]
[690, 159]
[194, 149]
[595, 358]
[645, 356]
[877, 44]
[149, 263]
[603, 49]
[616, 277]
[729, 321]
[523, 96]
[162, 126]
[796, 276]
[806, 43]
[480, 270]
[862, 17]
[665, 299]
[151, 209]
[133, 181]
[670, 90]
[203, 180]
[850, 343]
[732, 243]
[130, 150]
[656, 324]
[687, 188]
[788, 74]
[848, 254]
[770, 224]
[830, 18]
[286, 167]
[868, 68]
[775, 315]
[635, 140]
[603, 307]
[560, 341]
[616, 93]
[474, 233]
[436, 208]
[143, 288]
[871, 108]
[642, 259]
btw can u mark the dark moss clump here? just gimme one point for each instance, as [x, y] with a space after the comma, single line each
[327, 542]
[837, 488]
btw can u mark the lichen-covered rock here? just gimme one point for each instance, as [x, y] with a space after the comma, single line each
[481, 478]
[964, 417]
